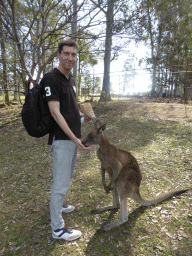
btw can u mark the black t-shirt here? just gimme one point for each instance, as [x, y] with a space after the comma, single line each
[59, 88]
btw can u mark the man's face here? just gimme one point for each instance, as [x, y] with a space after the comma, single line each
[68, 57]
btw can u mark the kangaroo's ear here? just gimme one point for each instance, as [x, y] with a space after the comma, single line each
[101, 128]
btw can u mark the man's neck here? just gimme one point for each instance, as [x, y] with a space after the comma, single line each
[64, 71]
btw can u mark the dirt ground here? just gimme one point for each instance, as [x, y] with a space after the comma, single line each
[171, 110]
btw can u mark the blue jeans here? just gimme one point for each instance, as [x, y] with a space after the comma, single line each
[64, 156]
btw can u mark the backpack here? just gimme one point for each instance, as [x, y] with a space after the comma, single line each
[35, 113]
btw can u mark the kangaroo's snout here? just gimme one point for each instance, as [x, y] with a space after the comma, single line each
[94, 136]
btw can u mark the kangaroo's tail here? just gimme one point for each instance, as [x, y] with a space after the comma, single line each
[158, 199]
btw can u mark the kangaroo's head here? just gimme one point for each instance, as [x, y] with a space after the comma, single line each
[94, 136]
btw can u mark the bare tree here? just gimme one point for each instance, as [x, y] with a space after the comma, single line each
[4, 64]
[108, 9]
[149, 24]
[34, 28]
[74, 31]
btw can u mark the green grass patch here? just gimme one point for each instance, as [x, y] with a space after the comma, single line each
[163, 149]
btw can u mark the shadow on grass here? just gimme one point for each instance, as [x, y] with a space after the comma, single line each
[112, 238]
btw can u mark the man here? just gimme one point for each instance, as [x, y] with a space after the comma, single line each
[65, 138]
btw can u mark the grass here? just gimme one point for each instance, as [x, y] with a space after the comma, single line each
[159, 136]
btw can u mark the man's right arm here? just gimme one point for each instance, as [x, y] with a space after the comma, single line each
[54, 107]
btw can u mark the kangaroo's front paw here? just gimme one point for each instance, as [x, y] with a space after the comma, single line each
[107, 190]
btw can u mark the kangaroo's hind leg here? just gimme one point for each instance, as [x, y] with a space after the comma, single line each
[123, 215]
[115, 199]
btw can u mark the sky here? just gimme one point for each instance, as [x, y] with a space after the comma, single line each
[141, 82]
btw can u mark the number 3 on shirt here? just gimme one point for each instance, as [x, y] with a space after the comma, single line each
[48, 91]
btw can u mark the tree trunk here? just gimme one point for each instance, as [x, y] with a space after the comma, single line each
[16, 93]
[153, 78]
[74, 36]
[155, 56]
[3, 58]
[105, 94]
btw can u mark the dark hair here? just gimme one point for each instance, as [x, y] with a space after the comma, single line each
[68, 42]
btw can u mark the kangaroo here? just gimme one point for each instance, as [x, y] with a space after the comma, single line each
[125, 175]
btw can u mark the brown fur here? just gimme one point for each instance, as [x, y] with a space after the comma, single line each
[125, 175]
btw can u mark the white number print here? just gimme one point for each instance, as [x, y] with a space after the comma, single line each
[48, 91]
